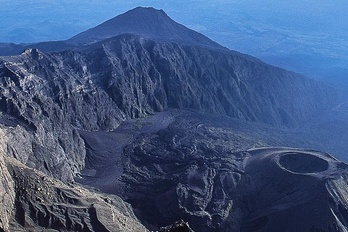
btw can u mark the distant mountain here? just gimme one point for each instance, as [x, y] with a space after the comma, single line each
[127, 76]
[56, 108]
[146, 22]
[8, 49]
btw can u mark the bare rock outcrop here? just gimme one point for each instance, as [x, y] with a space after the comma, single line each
[50, 95]
[51, 103]
[218, 190]
[200, 168]
[44, 203]
[7, 192]
[33, 201]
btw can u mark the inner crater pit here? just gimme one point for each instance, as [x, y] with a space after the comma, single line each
[303, 163]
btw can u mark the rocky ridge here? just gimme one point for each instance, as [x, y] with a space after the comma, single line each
[33, 201]
[43, 203]
[146, 22]
[51, 103]
[129, 76]
[206, 175]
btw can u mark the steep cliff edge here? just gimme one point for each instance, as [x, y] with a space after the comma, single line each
[219, 174]
[52, 94]
[163, 75]
[55, 107]
[34, 201]
[7, 194]
[206, 175]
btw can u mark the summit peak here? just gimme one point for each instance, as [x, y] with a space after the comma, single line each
[147, 22]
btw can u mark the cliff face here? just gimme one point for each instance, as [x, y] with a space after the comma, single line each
[169, 75]
[53, 104]
[128, 76]
[216, 173]
[33, 201]
[7, 194]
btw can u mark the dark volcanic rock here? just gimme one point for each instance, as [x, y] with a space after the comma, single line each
[145, 22]
[218, 189]
[198, 167]
[7, 195]
[303, 163]
[165, 75]
[43, 203]
[48, 102]
[56, 110]
[139, 74]
[179, 226]
[148, 23]
[128, 76]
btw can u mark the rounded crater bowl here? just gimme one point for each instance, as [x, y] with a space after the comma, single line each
[303, 163]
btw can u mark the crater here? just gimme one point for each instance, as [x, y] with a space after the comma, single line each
[303, 163]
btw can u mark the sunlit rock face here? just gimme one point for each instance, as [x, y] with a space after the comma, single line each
[44, 203]
[7, 194]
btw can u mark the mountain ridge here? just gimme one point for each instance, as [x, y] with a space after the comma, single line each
[147, 22]
[60, 113]
[131, 77]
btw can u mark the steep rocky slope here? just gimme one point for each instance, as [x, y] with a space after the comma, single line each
[217, 188]
[7, 195]
[39, 202]
[128, 76]
[207, 170]
[58, 108]
[33, 201]
[169, 75]
[148, 23]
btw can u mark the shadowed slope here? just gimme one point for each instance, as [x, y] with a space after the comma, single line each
[147, 22]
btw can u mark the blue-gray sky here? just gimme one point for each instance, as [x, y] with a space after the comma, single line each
[267, 29]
